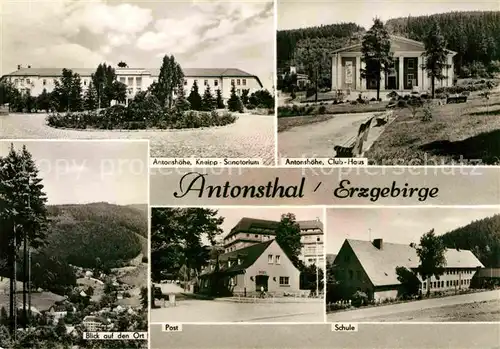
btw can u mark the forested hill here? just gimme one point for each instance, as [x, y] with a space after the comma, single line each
[287, 40]
[473, 35]
[482, 237]
[97, 233]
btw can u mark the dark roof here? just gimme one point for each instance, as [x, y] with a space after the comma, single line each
[380, 264]
[246, 223]
[247, 255]
[188, 72]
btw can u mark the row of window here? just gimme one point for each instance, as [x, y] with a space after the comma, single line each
[448, 283]
[273, 259]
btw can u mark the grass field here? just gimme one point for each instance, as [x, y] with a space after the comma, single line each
[460, 134]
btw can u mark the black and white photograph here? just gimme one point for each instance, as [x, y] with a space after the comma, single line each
[389, 82]
[237, 265]
[413, 265]
[73, 243]
[196, 78]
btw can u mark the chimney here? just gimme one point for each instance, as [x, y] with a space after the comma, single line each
[18, 66]
[378, 243]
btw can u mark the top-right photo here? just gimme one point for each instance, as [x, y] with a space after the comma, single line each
[388, 83]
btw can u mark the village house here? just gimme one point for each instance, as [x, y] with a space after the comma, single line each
[95, 323]
[35, 80]
[246, 270]
[370, 267]
[249, 231]
[59, 311]
[408, 73]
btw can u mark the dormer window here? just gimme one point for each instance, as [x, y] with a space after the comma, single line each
[239, 261]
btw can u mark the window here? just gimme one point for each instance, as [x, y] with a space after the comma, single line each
[22, 82]
[232, 82]
[44, 81]
[28, 81]
[185, 82]
[244, 82]
[351, 274]
[284, 280]
[239, 261]
[270, 259]
[205, 83]
[238, 82]
[130, 81]
[442, 283]
[447, 283]
[425, 285]
[410, 79]
[229, 264]
[238, 92]
[16, 82]
[277, 259]
[122, 79]
[138, 81]
[248, 235]
[216, 82]
[84, 82]
[411, 64]
[256, 236]
[55, 81]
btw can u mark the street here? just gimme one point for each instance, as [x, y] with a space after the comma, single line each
[319, 139]
[375, 314]
[251, 136]
[219, 311]
[319, 336]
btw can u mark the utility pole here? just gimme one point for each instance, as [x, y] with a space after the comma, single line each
[15, 284]
[317, 268]
[29, 286]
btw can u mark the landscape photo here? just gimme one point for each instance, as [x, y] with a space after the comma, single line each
[252, 265]
[389, 82]
[195, 78]
[413, 265]
[73, 243]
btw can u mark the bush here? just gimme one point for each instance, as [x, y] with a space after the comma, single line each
[322, 110]
[354, 102]
[402, 104]
[359, 299]
[427, 116]
[250, 106]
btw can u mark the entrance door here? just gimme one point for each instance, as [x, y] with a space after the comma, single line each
[261, 281]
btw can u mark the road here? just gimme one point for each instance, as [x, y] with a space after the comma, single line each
[374, 314]
[251, 136]
[318, 139]
[218, 311]
[299, 336]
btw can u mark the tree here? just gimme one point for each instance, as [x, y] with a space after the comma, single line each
[176, 235]
[207, 102]
[262, 99]
[76, 100]
[43, 101]
[144, 297]
[119, 91]
[244, 96]
[170, 79]
[90, 99]
[103, 79]
[234, 103]
[23, 215]
[435, 55]
[431, 252]
[194, 98]
[376, 51]
[409, 282]
[181, 102]
[288, 237]
[219, 100]
[308, 279]
[122, 64]
[314, 60]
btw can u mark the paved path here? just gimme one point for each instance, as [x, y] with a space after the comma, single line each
[213, 311]
[251, 136]
[360, 314]
[318, 139]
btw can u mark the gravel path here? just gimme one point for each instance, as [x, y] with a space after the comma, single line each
[251, 136]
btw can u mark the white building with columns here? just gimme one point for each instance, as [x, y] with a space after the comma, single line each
[37, 79]
[406, 76]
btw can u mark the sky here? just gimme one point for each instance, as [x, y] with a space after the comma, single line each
[397, 225]
[232, 215]
[78, 172]
[293, 14]
[83, 33]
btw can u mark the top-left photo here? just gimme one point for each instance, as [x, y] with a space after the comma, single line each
[195, 78]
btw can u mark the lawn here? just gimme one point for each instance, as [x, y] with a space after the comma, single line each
[458, 134]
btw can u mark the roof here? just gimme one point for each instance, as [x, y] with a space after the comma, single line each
[247, 255]
[95, 319]
[245, 223]
[380, 264]
[188, 72]
[398, 43]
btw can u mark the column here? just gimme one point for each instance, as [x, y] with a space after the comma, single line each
[340, 72]
[334, 72]
[401, 73]
[450, 70]
[362, 81]
[382, 80]
[357, 74]
[424, 76]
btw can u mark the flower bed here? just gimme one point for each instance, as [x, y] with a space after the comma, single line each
[121, 118]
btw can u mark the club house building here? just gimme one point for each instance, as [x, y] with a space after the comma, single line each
[370, 267]
[407, 74]
[35, 80]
